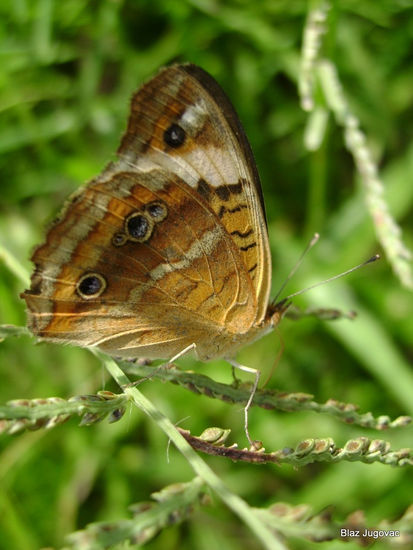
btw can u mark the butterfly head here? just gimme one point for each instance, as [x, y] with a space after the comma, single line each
[276, 311]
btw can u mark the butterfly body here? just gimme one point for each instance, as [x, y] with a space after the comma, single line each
[168, 246]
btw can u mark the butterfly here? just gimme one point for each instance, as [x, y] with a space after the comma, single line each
[167, 249]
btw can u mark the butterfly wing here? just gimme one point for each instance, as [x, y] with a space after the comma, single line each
[215, 158]
[168, 246]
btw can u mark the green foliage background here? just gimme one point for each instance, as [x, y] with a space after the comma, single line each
[67, 72]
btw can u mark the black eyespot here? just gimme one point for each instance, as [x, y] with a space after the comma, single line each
[174, 136]
[91, 285]
[157, 210]
[119, 239]
[139, 227]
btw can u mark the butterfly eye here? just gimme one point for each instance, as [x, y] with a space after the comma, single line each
[157, 210]
[174, 136]
[138, 227]
[91, 285]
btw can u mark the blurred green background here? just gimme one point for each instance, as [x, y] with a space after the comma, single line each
[67, 72]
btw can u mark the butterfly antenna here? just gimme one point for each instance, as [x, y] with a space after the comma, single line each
[309, 246]
[369, 261]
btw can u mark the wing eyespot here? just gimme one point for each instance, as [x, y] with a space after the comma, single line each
[119, 239]
[138, 227]
[174, 136]
[157, 210]
[91, 285]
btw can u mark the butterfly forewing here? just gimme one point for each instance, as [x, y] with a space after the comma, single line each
[214, 158]
[168, 246]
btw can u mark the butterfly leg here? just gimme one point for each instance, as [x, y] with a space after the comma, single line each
[175, 357]
[256, 373]
[182, 352]
[236, 381]
[165, 365]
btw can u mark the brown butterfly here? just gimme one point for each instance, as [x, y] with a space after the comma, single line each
[167, 249]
